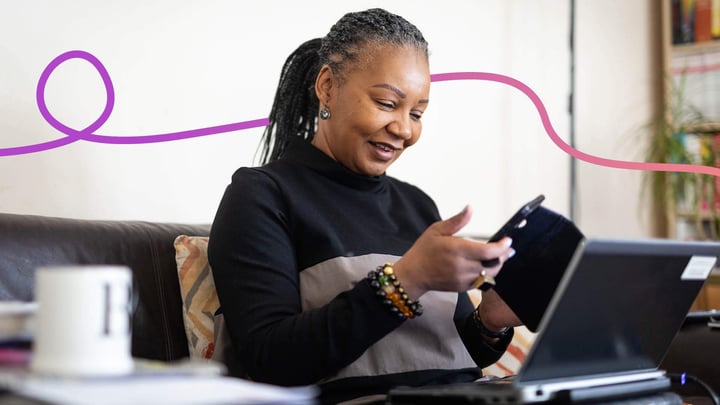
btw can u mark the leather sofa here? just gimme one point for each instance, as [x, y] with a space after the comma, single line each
[30, 241]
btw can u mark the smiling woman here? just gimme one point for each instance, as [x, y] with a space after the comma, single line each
[377, 108]
[320, 259]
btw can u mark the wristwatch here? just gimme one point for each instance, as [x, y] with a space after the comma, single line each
[484, 330]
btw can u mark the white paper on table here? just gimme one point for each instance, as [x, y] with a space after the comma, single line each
[174, 390]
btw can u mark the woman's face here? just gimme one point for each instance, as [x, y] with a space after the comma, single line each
[375, 109]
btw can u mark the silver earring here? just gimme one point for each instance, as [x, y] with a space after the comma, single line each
[324, 114]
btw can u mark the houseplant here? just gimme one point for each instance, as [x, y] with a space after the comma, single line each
[680, 134]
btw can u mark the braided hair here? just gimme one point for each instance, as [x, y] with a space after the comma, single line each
[295, 108]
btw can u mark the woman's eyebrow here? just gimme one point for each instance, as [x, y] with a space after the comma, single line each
[391, 88]
[399, 92]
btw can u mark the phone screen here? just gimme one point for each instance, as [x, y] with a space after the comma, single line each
[516, 221]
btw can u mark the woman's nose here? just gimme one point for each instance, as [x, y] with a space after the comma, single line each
[401, 127]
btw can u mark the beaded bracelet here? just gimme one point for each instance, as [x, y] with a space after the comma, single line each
[388, 289]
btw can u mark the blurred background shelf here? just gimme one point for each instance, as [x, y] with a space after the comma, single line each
[688, 128]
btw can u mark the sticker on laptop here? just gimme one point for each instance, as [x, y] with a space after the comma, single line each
[698, 268]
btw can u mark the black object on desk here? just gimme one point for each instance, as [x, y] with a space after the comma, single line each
[696, 351]
[544, 247]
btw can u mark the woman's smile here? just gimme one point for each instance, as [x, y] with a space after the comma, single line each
[384, 151]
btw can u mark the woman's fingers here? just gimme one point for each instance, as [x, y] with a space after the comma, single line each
[488, 271]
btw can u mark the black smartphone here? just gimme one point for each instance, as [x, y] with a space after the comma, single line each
[516, 221]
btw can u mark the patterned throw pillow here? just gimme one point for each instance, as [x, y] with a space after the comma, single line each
[199, 297]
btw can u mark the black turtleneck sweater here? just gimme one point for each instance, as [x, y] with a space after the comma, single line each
[289, 249]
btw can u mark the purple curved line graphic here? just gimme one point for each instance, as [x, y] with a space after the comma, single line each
[109, 90]
[87, 134]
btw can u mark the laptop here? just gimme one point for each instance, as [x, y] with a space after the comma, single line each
[609, 324]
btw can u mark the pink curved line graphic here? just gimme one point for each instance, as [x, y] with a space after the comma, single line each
[88, 133]
[596, 160]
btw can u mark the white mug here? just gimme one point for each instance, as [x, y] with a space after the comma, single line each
[83, 325]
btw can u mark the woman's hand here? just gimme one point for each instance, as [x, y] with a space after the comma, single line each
[438, 260]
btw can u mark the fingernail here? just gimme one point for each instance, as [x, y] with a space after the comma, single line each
[507, 242]
[512, 253]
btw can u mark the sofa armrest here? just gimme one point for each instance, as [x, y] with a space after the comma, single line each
[28, 242]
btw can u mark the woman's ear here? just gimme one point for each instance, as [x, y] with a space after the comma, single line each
[324, 85]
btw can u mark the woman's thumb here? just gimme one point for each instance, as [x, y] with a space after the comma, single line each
[455, 223]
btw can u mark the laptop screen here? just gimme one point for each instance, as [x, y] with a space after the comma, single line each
[618, 307]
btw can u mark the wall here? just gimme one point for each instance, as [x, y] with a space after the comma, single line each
[181, 65]
[618, 88]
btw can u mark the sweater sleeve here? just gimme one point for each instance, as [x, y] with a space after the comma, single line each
[253, 263]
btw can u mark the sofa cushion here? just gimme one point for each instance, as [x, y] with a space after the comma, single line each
[29, 241]
[197, 290]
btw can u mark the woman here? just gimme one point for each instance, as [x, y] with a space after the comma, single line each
[323, 263]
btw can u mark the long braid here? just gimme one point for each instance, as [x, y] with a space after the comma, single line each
[295, 108]
[294, 111]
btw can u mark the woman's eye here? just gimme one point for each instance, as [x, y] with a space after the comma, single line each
[416, 116]
[386, 104]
